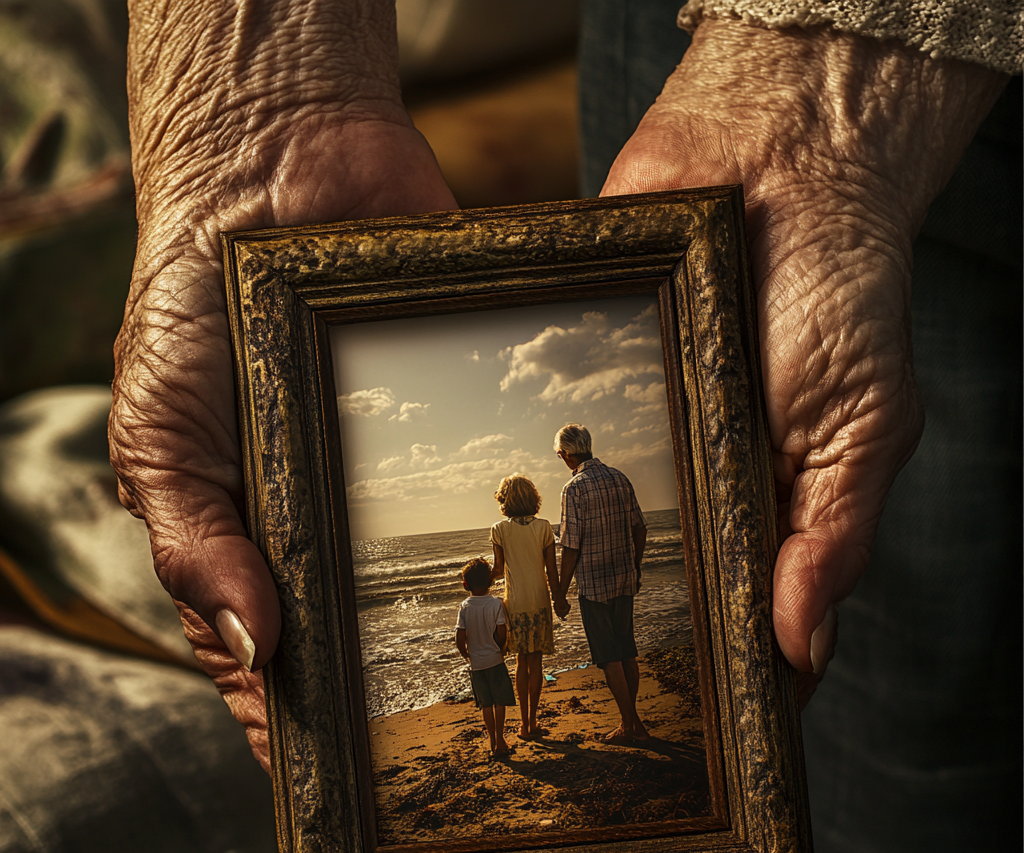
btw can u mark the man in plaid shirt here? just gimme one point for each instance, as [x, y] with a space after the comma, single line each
[602, 536]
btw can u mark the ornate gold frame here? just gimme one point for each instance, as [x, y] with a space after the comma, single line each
[286, 286]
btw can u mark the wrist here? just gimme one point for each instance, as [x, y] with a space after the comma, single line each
[882, 124]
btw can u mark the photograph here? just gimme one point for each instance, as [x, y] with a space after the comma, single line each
[510, 471]
[501, 699]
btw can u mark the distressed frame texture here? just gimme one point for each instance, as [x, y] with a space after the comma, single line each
[285, 287]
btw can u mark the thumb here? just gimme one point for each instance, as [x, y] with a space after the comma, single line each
[834, 514]
[210, 567]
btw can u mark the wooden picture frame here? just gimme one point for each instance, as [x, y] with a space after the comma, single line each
[286, 289]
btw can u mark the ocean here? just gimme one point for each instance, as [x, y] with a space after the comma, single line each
[408, 591]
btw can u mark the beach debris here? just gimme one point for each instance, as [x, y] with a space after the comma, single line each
[574, 705]
[549, 679]
[676, 671]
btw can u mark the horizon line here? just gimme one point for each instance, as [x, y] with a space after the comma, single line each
[467, 529]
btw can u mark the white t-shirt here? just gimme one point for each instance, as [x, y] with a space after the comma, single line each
[479, 615]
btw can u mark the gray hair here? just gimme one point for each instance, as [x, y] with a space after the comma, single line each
[573, 440]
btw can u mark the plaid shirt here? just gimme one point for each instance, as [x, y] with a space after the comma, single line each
[599, 512]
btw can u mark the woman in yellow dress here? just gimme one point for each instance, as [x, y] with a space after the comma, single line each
[524, 553]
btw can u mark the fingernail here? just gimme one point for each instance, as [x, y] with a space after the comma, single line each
[236, 638]
[823, 640]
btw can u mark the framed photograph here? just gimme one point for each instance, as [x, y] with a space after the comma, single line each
[438, 685]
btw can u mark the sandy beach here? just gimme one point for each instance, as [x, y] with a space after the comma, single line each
[435, 779]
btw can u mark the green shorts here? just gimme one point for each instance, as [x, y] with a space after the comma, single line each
[492, 686]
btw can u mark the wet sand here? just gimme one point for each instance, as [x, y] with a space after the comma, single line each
[436, 780]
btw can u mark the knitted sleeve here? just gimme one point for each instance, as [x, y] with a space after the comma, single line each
[985, 32]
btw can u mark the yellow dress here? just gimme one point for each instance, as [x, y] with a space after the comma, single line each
[527, 599]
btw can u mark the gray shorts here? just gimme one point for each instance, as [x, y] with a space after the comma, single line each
[492, 686]
[609, 629]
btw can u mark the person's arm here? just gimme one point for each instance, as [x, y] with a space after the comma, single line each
[639, 533]
[242, 115]
[554, 584]
[460, 643]
[501, 636]
[498, 569]
[568, 569]
[841, 143]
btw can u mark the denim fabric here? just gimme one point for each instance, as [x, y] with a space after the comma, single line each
[913, 741]
[627, 49]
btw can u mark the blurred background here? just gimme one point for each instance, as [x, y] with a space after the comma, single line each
[109, 739]
[492, 86]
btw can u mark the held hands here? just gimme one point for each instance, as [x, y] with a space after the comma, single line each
[562, 608]
[840, 143]
[236, 130]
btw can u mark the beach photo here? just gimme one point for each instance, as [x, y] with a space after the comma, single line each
[523, 613]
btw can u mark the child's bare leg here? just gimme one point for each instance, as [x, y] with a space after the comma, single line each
[523, 692]
[500, 745]
[489, 724]
[536, 681]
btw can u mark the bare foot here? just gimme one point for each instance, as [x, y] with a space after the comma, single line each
[524, 733]
[538, 731]
[619, 734]
[501, 750]
[640, 731]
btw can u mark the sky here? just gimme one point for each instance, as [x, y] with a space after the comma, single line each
[434, 411]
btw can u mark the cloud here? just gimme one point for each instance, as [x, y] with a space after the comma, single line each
[653, 393]
[389, 463]
[474, 356]
[424, 455]
[487, 445]
[642, 429]
[639, 452]
[590, 360]
[366, 403]
[477, 475]
[409, 411]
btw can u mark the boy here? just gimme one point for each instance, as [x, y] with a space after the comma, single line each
[481, 635]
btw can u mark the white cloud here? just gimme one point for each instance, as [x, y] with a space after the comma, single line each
[590, 360]
[409, 411]
[424, 455]
[478, 475]
[653, 393]
[366, 403]
[474, 356]
[642, 429]
[389, 463]
[639, 452]
[487, 445]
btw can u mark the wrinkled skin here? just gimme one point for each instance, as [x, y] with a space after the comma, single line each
[841, 143]
[248, 151]
[288, 113]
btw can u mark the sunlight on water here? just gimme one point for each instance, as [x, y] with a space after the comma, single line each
[408, 591]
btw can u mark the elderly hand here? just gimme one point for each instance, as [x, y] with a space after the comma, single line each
[240, 119]
[840, 143]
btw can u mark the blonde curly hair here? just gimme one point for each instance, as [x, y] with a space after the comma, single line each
[517, 496]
